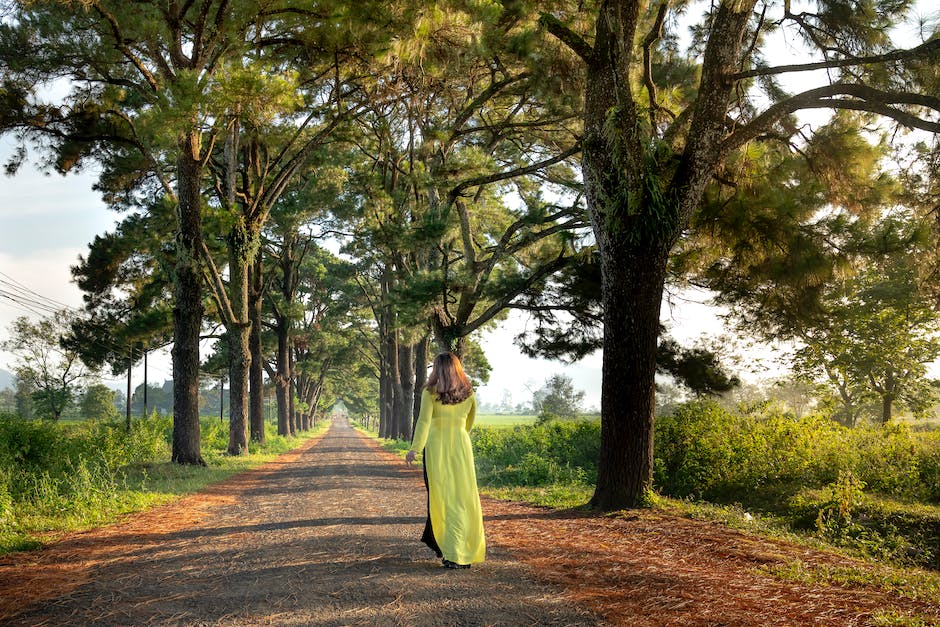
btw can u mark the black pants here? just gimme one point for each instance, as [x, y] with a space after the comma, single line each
[428, 536]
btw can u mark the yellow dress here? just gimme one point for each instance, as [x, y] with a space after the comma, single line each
[443, 431]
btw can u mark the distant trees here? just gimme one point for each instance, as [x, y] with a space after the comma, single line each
[98, 403]
[24, 399]
[876, 337]
[7, 401]
[558, 398]
[52, 372]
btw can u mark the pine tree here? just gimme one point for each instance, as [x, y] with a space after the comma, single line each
[658, 127]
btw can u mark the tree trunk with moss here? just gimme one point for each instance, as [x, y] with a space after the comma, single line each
[640, 195]
[187, 305]
[243, 246]
[256, 372]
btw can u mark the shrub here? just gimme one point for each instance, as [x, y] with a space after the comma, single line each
[706, 451]
[543, 454]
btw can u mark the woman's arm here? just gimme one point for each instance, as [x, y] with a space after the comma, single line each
[422, 427]
[472, 414]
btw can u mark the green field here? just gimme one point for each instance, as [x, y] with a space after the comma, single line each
[503, 420]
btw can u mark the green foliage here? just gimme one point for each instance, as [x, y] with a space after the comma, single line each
[98, 403]
[874, 489]
[65, 474]
[538, 455]
[706, 451]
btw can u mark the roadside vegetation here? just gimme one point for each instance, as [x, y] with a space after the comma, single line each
[871, 490]
[58, 477]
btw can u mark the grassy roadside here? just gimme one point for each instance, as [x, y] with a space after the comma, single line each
[57, 479]
[915, 583]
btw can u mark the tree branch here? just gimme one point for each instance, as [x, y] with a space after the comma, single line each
[502, 176]
[925, 49]
[477, 102]
[871, 99]
[218, 287]
[656, 32]
[567, 37]
[121, 44]
[501, 303]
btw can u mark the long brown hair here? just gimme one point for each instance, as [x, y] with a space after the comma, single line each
[448, 380]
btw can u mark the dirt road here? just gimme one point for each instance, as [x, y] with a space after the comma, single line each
[326, 536]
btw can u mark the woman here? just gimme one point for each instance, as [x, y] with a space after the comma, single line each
[454, 529]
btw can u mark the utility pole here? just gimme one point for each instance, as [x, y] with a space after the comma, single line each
[130, 365]
[145, 383]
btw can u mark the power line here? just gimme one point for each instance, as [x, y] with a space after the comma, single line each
[28, 300]
[21, 306]
[37, 304]
[13, 283]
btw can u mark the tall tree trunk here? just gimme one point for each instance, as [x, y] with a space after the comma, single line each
[406, 370]
[242, 248]
[302, 384]
[282, 379]
[291, 394]
[387, 370]
[256, 372]
[632, 289]
[887, 403]
[285, 400]
[315, 405]
[187, 305]
[394, 381]
[383, 394]
[421, 376]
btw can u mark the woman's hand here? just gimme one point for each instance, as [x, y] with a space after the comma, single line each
[410, 457]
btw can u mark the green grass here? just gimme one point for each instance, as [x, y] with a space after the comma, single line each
[557, 495]
[916, 584]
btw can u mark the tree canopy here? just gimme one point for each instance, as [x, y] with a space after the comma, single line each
[437, 146]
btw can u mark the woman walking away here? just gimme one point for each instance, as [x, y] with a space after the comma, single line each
[454, 528]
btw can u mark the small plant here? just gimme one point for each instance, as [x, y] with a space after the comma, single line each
[835, 519]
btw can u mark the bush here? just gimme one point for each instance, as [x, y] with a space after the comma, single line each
[59, 470]
[706, 451]
[552, 452]
[853, 487]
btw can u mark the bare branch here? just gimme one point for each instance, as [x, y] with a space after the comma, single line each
[923, 50]
[868, 99]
